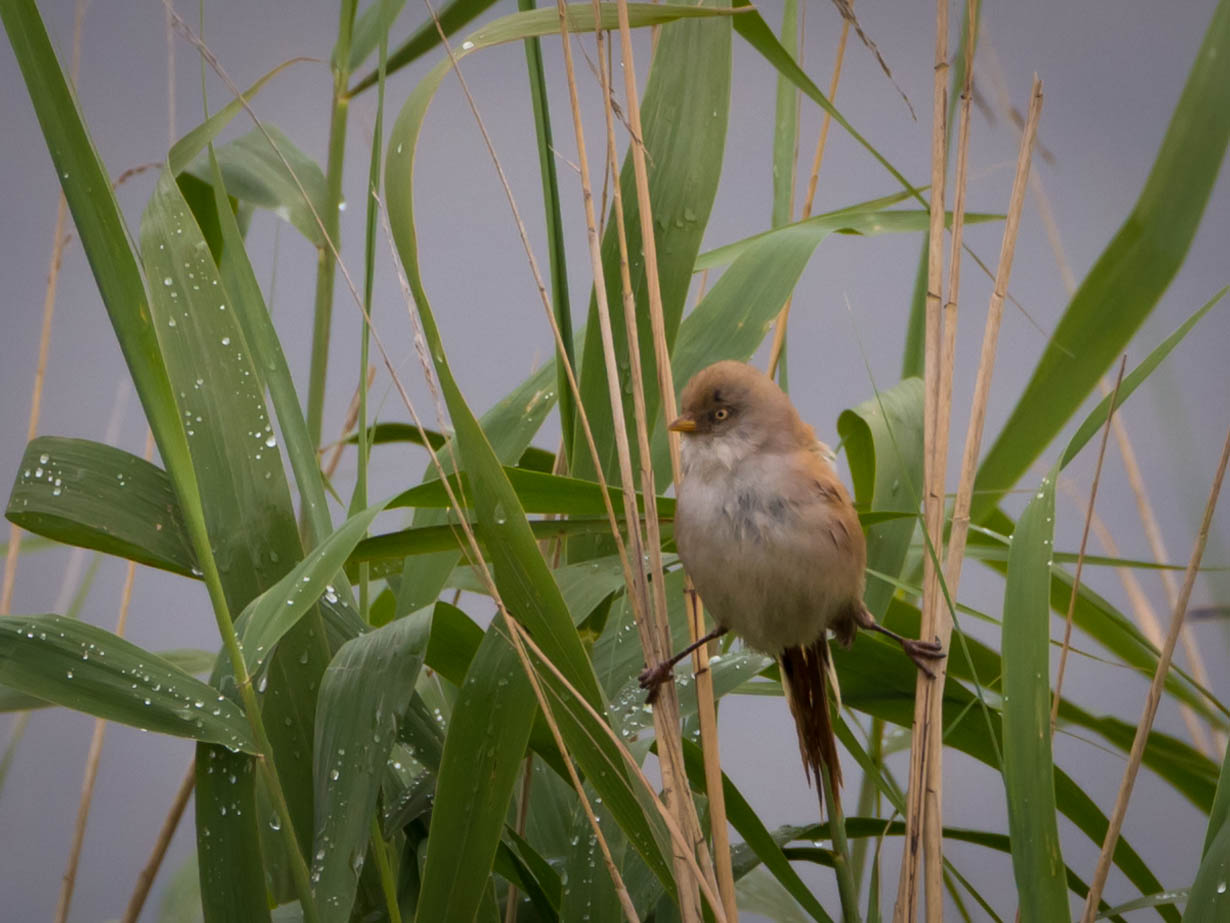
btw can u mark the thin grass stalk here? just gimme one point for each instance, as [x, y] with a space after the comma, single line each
[322, 313]
[1080, 557]
[906, 907]
[666, 386]
[94, 755]
[556, 260]
[778, 348]
[654, 637]
[149, 871]
[1154, 698]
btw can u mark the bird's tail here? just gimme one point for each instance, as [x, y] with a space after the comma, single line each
[803, 674]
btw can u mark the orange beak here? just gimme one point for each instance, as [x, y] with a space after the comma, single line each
[684, 424]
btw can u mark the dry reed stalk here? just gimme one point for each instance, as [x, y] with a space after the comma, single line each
[145, 880]
[929, 702]
[1080, 557]
[58, 241]
[650, 612]
[723, 879]
[1154, 697]
[906, 907]
[783, 317]
[690, 909]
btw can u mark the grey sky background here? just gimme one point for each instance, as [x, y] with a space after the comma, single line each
[1112, 70]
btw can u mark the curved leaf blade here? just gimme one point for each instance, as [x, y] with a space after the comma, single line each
[72, 663]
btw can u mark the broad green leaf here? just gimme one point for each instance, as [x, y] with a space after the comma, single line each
[194, 662]
[269, 617]
[758, 892]
[365, 689]
[255, 174]
[253, 535]
[867, 219]
[238, 277]
[488, 731]
[72, 663]
[91, 495]
[1028, 766]
[1133, 380]
[232, 870]
[883, 439]
[1129, 278]
[537, 491]
[684, 113]
[386, 552]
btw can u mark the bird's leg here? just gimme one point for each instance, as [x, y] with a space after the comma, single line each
[653, 677]
[918, 651]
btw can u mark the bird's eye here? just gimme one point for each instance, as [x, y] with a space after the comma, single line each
[720, 414]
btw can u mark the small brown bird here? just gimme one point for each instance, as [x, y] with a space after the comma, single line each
[772, 542]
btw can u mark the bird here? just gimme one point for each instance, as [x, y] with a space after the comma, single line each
[772, 543]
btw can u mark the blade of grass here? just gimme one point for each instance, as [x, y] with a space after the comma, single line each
[1129, 278]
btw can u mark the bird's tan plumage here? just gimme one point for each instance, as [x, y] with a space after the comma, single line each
[771, 539]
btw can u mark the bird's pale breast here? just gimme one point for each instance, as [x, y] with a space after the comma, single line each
[767, 553]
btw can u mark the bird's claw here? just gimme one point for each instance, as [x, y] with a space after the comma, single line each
[922, 651]
[651, 678]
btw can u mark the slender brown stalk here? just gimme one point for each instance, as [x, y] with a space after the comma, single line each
[906, 907]
[925, 765]
[145, 880]
[783, 317]
[1080, 557]
[650, 610]
[1154, 697]
[688, 903]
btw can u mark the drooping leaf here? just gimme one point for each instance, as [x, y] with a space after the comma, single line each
[92, 495]
[72, 663]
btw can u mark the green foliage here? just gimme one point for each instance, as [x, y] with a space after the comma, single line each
[336, 777]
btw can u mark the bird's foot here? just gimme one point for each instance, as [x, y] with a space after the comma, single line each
[652, 678]
[923, 651]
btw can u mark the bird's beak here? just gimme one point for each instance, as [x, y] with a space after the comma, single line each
[684, 424]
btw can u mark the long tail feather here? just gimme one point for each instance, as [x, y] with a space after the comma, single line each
[803, 674]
